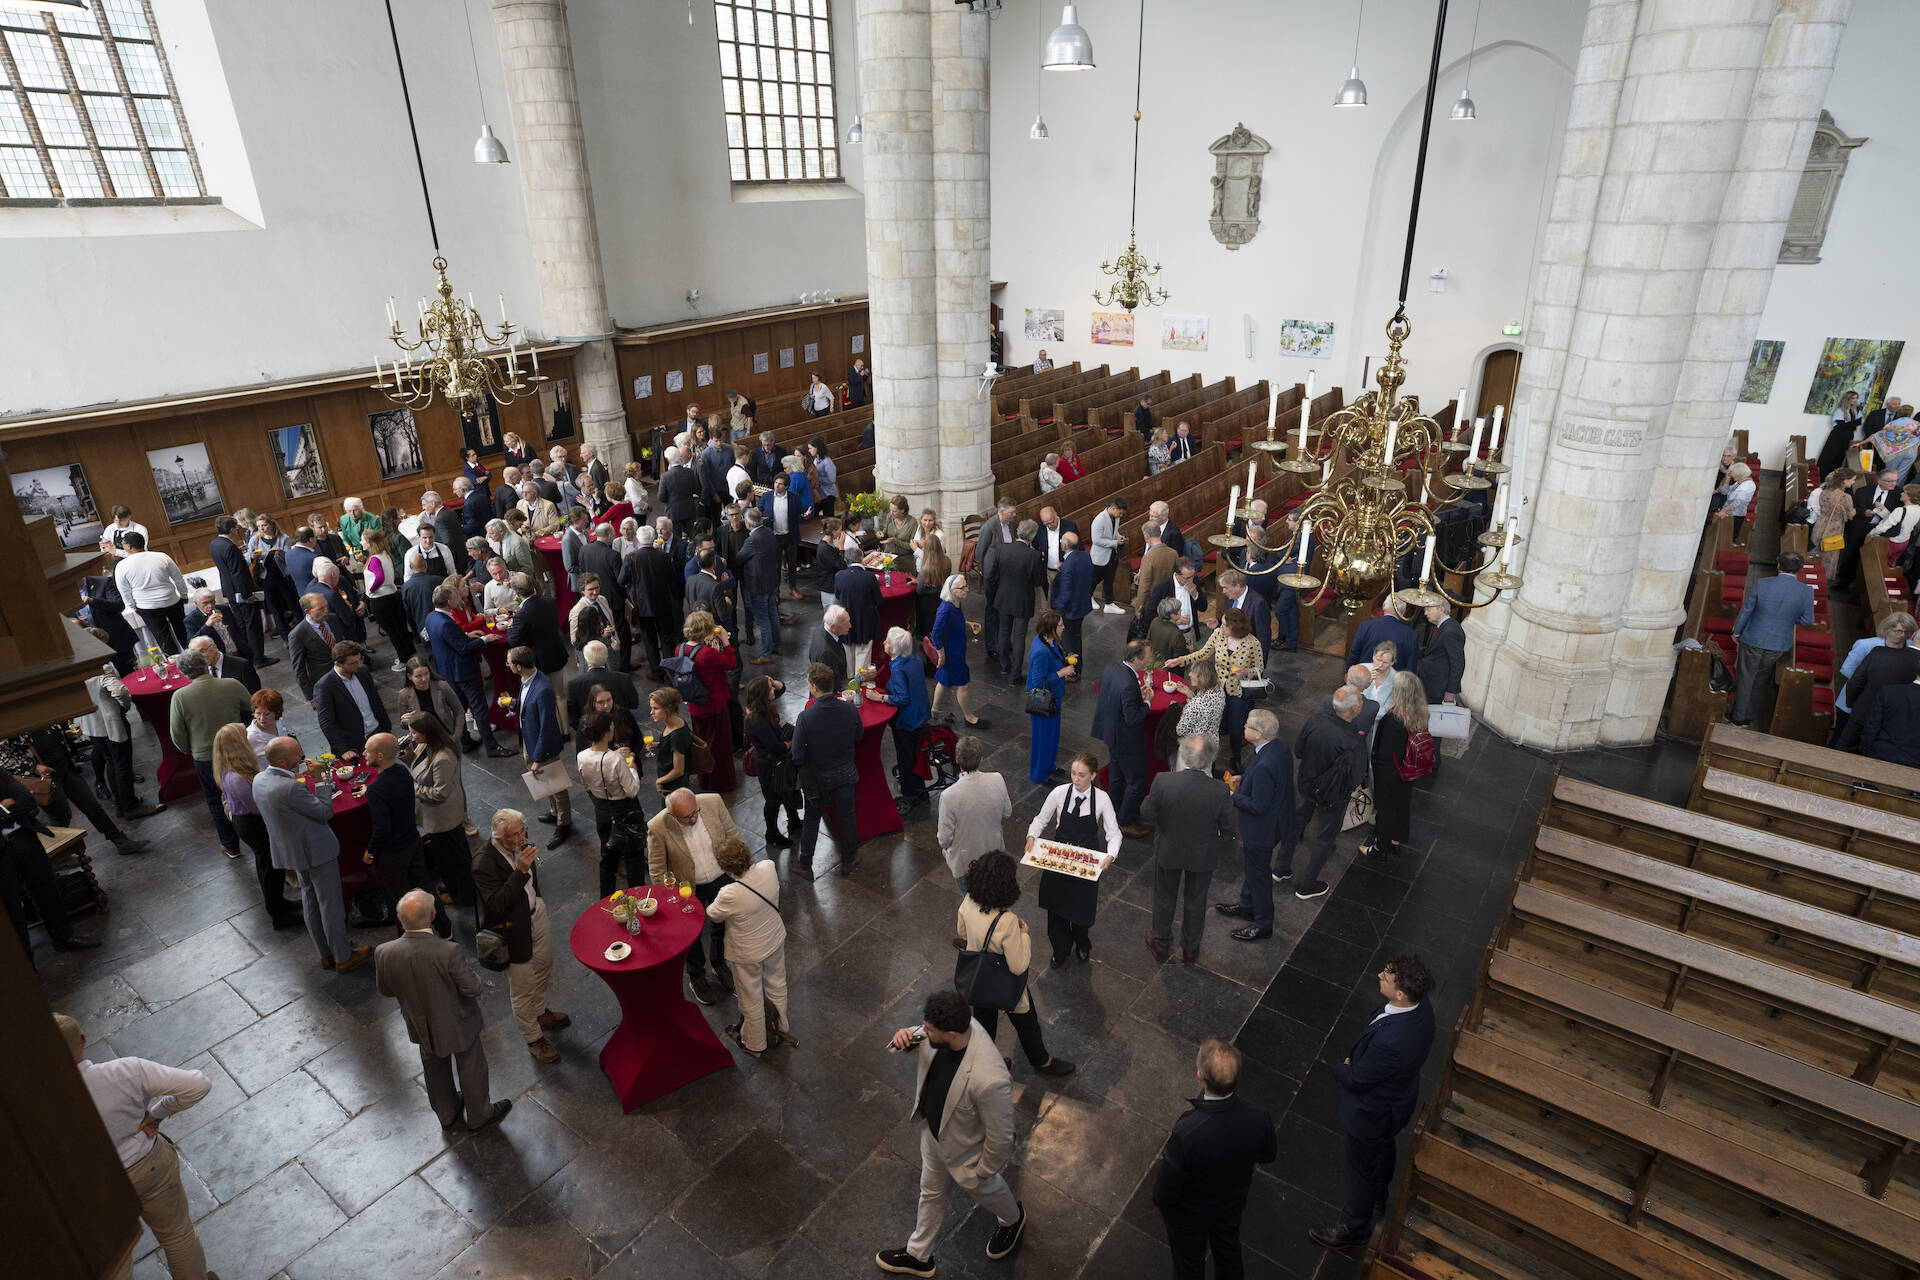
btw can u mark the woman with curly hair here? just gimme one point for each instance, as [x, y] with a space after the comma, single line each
[987, 923]
[713, 654]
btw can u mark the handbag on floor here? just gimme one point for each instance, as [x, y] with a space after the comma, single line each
[1359, 809]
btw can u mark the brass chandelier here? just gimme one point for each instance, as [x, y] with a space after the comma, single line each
[453, 336]
[1133, 279]
[1364, 514]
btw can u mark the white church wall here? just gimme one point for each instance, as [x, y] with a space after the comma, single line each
[1336, 185]
[1867, 282]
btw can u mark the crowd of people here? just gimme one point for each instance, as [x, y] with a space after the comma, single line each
[645, 696]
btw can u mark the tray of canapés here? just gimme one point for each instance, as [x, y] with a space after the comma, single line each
[1066, 859]
[877, 560]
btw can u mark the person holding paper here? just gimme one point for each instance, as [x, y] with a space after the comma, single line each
[1082, 815]
[542, 740]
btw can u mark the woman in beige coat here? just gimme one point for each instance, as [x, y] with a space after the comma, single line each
[987, 922]
[749, 905]
[440, 808]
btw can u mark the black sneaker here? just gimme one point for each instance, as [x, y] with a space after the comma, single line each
[1004, 1240]
[1318, 889]
[902, 1263]
[703, 989]
[1056, 1067]
[1283, 877]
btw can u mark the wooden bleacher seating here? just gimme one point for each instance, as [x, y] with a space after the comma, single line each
[1804, 815]
[1082, 410]
[1839, 775]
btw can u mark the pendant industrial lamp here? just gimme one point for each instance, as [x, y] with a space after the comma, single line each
[1038, 132]
[1354, 92]
[1463, 109]
[856, 132]
[488, 149]
[1068, 48]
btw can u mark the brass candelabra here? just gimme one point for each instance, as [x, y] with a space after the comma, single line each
[1362, 516]
[1133, 281]
[456, 366]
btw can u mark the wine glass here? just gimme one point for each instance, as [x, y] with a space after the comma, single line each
[686, 893]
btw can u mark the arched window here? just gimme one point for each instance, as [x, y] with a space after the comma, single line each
[88, 109]
[776, 80]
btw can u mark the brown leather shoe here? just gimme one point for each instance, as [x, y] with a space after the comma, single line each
[1156, 950]
[326, 962]
[554, 1021]
[357, 956]
[1138, 831]
[543, 1049]
[1188, 957]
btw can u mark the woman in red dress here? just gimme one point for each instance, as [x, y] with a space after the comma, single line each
[713, 654]
[1071, 468]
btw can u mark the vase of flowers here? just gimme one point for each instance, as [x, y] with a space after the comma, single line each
[625, 908]
[867, 505]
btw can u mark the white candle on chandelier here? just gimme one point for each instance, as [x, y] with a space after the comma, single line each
[1386, 454]
[536, 359]
[1326, 471]
[1473, 450]
[1459, 407]
[1304, 556]
[1426, 564]
[503, 310]
[1233, 504]
[392, 317]
[1499, 504]
[1273, 414]
[1252, 467]
[1506, 552]
[1493, 445]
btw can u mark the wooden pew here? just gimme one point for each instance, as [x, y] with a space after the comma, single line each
[1803, 815]
[1115, 412]
[1840, 775]
[1089, 389]
[1009, 388]
[1024, 485]
[1119, 399]
[1169, 409]
[1037, 405]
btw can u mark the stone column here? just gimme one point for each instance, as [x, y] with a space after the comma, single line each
[962, 234]
[550, 154]
[1685, 137]
[896, 110]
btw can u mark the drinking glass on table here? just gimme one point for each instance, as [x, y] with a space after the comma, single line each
[686, 893]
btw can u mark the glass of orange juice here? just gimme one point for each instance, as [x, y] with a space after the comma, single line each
[686, 892]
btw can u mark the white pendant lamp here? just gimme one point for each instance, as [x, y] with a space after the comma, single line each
[1069, 48]
[857, 132]
[1354, 92]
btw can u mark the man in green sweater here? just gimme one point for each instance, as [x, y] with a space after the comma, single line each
[198, 712]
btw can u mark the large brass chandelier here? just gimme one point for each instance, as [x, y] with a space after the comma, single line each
[453, 336]
[1133, 278]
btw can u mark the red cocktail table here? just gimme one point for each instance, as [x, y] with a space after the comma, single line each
[153, 699]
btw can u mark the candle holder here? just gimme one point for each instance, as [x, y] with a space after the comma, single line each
[1298, 466]
[1497, 537]
[1500, 581]
[1227, 541]
[1299, 581]
[1419, 598]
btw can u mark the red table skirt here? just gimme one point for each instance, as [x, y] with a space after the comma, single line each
[153, 699]
[875, 813]
[549, 547]
[1161, 703]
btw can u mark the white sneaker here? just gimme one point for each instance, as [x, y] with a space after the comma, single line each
[1112, 608]
[399, 665]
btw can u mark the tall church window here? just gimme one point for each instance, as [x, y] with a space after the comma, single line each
[88, 109]
[776, 81]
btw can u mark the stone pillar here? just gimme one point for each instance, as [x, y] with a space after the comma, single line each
[550, 154]
[1685, 137]
[896, 111]
[962, 234]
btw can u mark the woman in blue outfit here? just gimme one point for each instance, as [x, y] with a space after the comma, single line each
[1047, 668]
[949, 635]
[907, 690]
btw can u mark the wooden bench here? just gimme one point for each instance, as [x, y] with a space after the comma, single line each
[1023, 473]
[1021, 380]
[1086, 392]
[1117, 400]
[1037, 404]
[1839, 775]
[1803, 815]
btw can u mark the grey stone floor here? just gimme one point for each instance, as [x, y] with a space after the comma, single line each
[317, 1158]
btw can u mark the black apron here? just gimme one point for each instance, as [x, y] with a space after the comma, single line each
[1073, 899]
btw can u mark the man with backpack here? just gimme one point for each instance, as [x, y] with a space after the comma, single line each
[1333, 761]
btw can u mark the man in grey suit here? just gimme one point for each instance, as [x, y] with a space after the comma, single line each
[1191, 812]
[965, 1099]
[437, 990]
[304, 844]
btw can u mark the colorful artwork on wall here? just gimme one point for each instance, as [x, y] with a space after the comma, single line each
[1310, 338]
[1112, 328]
[1763, 365]
[1183, 333]
[1852, 364]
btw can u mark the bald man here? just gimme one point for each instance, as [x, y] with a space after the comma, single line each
[303, 843]
[395, 850]
[438, 994]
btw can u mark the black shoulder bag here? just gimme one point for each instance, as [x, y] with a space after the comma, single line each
[983, 976]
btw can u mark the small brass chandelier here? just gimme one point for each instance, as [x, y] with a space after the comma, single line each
[1364, 514]
[1133, 279]
[456, 367]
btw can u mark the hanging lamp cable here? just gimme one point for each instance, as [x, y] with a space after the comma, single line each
[414, 129]
[473, 52]
[1139, 63]
[1420, 164]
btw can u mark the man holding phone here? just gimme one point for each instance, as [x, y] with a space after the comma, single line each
[511, 905]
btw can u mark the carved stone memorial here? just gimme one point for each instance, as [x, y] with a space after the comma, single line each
[1237, 161]
[1819, 184]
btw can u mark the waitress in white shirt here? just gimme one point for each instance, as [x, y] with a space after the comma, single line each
[1082, 815]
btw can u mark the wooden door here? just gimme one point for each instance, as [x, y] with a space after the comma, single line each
[1499, 376]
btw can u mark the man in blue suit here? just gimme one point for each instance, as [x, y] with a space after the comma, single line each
[1773, 608]
[784, 511]
[1380, 1083]
[300, 558]
[540, 736]
[1119, 721]
[1386, 627]
[1072, 596]
[1264, 797]
[456, 654]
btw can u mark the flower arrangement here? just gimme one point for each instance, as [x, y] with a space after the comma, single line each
[867, 505]
[625, 908]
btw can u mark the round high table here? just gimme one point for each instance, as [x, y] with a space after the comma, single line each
[352, 826]
[875, 813]
[153, 698]
[897, 591]
[1157, 706]
[662, 1041]
[549, 546]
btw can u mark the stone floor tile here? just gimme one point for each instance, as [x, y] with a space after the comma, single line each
[191, 964]
[611, 1194]
[376, 1150]
[269, 1225]
[1093, 1154]
[256, 1137]
[223, 1096]
[410, 1231]
[187, 1026]
[285, 1039]
[666, 1249]
[534, 1239]
[370, 1064]
[783, 1189]
[497, 1168]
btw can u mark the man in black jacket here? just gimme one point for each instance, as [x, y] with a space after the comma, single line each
[243, 593]
[1143, 417]
[599, 557]
[1443, 662]
[828, 647]
[759, 567]
[858, 591]
[680, 494]
[824, 737]
[1206, 1168]
[394, 849]
[1119, 721]
[647, 579]
[1332, 762]
[1890, 728]
[512, 905]
[536, 624]
[348, 718]
[107, 610]
[1020, 574]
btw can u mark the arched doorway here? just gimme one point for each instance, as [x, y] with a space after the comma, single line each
[1499, 380]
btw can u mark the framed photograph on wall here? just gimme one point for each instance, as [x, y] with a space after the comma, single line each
[481, 431]
[396, 443]
[63, 496]
[184, 476]
[786, 357]
[759, 362]
[296, 456]
[1310, 338]
[1045, 324]
[556, 409]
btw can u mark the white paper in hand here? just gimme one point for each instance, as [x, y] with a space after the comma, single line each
[552, 778]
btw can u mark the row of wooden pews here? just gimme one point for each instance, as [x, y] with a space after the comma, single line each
[1694, 1049]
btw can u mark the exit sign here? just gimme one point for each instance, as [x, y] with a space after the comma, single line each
[1510, 331]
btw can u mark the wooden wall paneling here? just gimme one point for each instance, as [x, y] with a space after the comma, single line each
[782, 334]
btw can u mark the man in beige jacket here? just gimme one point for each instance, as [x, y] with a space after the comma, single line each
[1157, 564]
[682, 839]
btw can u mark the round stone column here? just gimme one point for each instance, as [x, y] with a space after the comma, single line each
[550, 154]
[962, 236]
[896, 111]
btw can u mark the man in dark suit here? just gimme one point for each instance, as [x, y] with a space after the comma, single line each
[1332, 761]
[1143, 417]
[996, 533]
[456, 655]
[1119, 721]
[783, 512]
[828, 645]
[763, 464]
[508, 889]
[538, 626]
[1380, 1084]
[439, 1001]
[226, 666]
[648, 578]
[103, 605]
[858, 592]
[680, 494]
[310, 643]
[447, 530]
[710, 586]
[1263, 795]
[205, 616]
[599, 556]
[475, 509]
[1020, 575]
[1870, 503]
[1192, 814]
[1184, 584]
[543, 735]
[596, 674]
[759, 568]
[416, 598]
[348, 702]
[713, 464]
[1444, 659]
[824, 738]
[348, 618]
[394, 848]
[1048, 538]
[859, 383]
[244, 594]
[300, 557]
[1386, 627]
[506, 493]
[1072, 596]
[1206, 1168]
[1890, 726]
[1183, 444]
[1889, 411]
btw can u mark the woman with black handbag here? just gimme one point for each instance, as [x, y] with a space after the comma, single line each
[996, 954]
[770, 741]
[1047, 671]
[615, 787]
[1081, 815]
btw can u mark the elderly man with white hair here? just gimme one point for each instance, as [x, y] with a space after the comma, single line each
[509, 892]
[1332, 761]
[348, 614]
[225, 666]
[206, 618]
[354, 521]
[439, 997]
[829, 644]
[498, 595]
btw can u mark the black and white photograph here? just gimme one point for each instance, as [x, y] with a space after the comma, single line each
[556, 409]
[481, 431]
[396, 443]
[62, 494]
[296, 456]
[184, 476]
